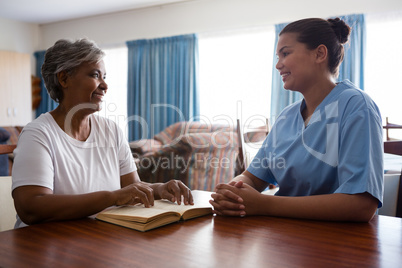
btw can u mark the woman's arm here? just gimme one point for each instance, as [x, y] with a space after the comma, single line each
[242, 199]
[35, 204]
[330, 207]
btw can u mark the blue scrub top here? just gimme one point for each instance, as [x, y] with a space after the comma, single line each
[339, 151]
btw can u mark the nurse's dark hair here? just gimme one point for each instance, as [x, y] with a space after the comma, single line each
[333, 33]
[67, 55]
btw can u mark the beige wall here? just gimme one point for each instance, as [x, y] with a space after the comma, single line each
[19, 37]
[197, 16]
[201, 16]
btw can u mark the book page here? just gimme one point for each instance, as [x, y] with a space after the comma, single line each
[201, 205]
[136, 213]
[170, 206]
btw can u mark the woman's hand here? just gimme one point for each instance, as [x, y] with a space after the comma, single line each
[235, 199]
[135, 191]
[138, 192]
[173, 190]
[226, 201]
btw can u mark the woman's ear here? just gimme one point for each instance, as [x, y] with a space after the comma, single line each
[62, 77]
[321, 53]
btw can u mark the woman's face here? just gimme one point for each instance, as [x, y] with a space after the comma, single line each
[296, 63]
[87, 85]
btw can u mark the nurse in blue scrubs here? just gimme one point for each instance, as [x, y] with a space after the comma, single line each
[325, 152]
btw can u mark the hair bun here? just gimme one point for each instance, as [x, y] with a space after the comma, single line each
[341, 29]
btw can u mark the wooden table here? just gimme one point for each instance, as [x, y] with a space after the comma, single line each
[207, 242]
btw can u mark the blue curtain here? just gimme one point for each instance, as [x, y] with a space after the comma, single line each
[352, 67]
[280, 98]
[162, 84]
[46, 104]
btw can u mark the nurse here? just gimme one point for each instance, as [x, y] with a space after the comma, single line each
[329, 144]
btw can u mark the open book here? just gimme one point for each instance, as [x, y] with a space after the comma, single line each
[163, 212]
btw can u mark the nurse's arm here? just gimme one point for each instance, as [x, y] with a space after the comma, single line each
[329, 207]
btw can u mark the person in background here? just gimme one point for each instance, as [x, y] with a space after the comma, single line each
[325, 152]
[70, 163]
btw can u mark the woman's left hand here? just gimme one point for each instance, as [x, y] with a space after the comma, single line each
[173, 190]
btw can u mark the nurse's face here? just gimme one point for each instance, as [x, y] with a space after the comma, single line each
[296, 63]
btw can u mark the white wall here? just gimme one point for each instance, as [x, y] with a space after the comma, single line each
[19, 37]
[197, 16]
[202, 16]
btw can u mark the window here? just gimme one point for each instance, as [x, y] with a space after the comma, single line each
[382, 68]
[235, 75]
[115, 100]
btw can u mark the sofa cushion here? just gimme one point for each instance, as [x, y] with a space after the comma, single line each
[200, 160]
[174, 132]
[144, 146]
[14, 134]
[213, 158]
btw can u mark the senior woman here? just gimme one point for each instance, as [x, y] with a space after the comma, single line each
[71, 163]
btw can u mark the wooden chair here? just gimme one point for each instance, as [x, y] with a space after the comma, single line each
[249, 141]
[7, 210]
[389, 126]
[395, 147]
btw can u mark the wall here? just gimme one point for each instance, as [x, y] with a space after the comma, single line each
[19, 37]
[196, 16]
[193, 16]
[15, 100]
[200, 16]
[23, 38]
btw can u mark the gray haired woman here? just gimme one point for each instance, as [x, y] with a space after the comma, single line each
[70, 163]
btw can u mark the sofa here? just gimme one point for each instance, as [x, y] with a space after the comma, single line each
[200, 155]
[8, 135]
[4, 137]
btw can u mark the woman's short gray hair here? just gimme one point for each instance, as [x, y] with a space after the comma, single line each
[66, 55]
